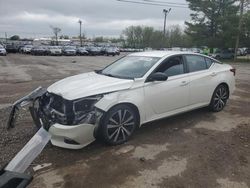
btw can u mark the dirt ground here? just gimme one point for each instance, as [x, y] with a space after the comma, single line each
[194, 149]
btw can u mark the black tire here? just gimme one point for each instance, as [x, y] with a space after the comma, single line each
[219, 98]
[118, 124]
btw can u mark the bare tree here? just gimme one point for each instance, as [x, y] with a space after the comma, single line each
[56, 31]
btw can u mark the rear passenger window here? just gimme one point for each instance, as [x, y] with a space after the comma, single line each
[196, 63]
[209, 62]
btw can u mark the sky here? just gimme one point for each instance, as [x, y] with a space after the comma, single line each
[33, 18]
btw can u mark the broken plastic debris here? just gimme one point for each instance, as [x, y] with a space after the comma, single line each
[41, 166]
[29, 152]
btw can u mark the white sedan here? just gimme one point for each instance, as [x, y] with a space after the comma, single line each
[138, 88]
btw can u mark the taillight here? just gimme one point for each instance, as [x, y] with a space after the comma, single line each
[233, 70]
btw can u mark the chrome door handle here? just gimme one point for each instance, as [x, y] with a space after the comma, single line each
[184, 83]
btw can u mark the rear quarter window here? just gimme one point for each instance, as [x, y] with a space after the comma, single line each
[209, 62]
[195, 63]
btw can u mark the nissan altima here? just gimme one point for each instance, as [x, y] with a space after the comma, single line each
[138, 88]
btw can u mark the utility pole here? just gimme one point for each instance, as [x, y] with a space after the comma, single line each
[80, 22]
[166, 12]
[6, 37]
[239, 28]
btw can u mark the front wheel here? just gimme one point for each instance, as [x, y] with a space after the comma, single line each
[219, 98]
[119, 124]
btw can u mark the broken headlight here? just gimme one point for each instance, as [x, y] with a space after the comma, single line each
[56, 109]
[84, 108]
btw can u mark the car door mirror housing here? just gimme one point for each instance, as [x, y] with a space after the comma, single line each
[157, 76]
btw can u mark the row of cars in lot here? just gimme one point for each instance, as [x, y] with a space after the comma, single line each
[62, 50]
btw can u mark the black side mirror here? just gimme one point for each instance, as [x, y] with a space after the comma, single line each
[157, 76]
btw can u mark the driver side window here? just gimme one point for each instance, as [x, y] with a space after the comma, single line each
[172, 66]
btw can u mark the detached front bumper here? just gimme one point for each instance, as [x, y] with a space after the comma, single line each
[67, 136]
[72, 137]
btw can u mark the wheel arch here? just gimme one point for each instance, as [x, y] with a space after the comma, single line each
[227, 86]
[133, 106]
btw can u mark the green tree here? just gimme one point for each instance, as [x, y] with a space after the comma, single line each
[245, 32]
[99, 39]
[213, 22]
[64, 37]
[143, 36]
[15, 37]
[147, 36]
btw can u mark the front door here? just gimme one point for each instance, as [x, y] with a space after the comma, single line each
[162, 97]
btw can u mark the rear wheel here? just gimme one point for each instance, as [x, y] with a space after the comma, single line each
[219, 98]
[119, 124]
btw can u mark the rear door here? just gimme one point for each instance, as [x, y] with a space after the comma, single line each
[201, 79]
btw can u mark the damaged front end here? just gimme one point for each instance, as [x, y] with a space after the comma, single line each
[72, 123]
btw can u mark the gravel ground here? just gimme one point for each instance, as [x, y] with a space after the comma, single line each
[195, 149]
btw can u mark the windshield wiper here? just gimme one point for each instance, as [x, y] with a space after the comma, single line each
[111, 75]
[98, 71]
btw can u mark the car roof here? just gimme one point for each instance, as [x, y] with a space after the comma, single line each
[160, 53]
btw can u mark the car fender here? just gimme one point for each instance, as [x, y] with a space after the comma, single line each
[226, 76]
[131, 96]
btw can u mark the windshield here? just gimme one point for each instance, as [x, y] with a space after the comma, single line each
[130, 67]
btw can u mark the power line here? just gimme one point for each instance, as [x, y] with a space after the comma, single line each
[165, 2]
[154, 4]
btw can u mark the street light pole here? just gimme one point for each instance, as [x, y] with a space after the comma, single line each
[6, 37]
[80, 22]
[166, 12]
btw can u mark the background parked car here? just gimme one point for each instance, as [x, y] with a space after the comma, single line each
[94, 50]
[111, 51]
[240, 52]
[2, 51]
[39, 50]
[117, 51]
[247, 51]
[69, 50]
[54, 50]
[11, 48]
[81, 51]
[223, 54]
[27, 49]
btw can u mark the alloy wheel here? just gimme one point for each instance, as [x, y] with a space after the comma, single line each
[220, 98]
[120, 125]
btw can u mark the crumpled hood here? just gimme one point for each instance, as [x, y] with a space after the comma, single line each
[88, 84]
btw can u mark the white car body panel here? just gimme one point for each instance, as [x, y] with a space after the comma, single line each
[175, 89]
[154, 100]
[27, 49]
[82, 133]
[88, 84]
[55, 51]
